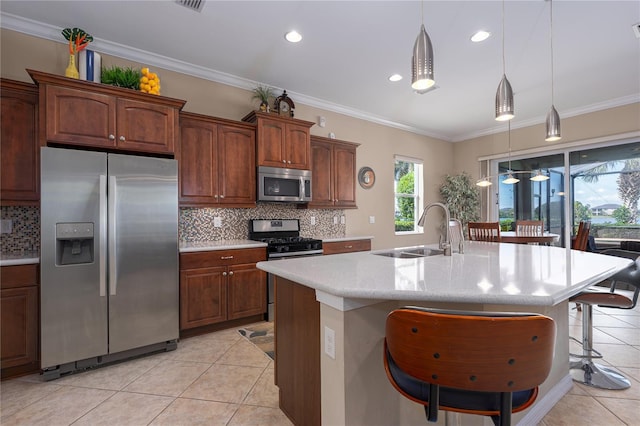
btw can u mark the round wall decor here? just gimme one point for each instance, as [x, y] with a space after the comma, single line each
[366, 177]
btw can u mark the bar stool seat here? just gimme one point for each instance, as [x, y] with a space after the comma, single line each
[584, 370]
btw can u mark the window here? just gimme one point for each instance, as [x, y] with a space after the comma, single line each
[408, 193]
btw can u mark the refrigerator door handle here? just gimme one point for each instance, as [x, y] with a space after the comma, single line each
[113, 271]
[102, 238]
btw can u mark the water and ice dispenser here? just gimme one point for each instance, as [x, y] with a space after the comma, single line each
[74, 243]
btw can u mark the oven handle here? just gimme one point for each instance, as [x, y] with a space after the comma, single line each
[294, 254]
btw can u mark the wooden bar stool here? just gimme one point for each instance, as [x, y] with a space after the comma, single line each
[484, 231]
[485, 363]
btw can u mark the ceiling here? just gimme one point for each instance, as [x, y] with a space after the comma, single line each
[350, 48]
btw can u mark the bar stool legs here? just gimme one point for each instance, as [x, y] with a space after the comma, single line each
[585, 370]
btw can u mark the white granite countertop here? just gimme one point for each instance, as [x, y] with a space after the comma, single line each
[26, 258]
[487, 273]
[338, 239]
[187, 247]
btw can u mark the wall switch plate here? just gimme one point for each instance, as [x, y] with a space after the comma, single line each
[6, 226]
[217, 222]
[313, 220]
[343, 220]
[372, 219]
[330, 342]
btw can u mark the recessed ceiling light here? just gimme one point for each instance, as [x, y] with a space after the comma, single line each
[293, 36]
[395, 77]
[480, 36]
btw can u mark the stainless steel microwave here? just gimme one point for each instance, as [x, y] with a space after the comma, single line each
[284, 185]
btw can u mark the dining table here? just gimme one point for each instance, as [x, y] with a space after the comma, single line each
[514, 237]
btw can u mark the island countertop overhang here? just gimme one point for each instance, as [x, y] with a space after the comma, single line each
[487, 273]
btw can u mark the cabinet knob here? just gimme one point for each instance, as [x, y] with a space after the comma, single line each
[348, 247]
[122, 139]
[222, 196]
[112, 137]
[224, 274]
[230, 272]
[226, 257]
[215, 196]
[284, 161]
[289, 162]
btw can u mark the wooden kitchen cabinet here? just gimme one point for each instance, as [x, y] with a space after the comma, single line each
[281, 141]
[20, 171]
[216, 162]
[81, 113]
[333, 168]
[347, 246]
[221, 285]
[19, 314]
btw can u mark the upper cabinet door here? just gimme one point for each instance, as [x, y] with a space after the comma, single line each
[271, 149]
[297, 146]
[196, 158]
[321, 181]
[237, 165]
[20, 171]
[142, 126]
[78, 117]
[344, 170]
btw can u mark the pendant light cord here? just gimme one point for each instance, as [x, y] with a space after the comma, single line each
[509, 139]
[503, 61]
[422, 12]
[551, 40]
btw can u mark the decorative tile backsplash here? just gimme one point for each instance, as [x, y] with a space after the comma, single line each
[196, 224]
[25, 233]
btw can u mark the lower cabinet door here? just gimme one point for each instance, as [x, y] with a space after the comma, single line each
[19, 326]
[203, 296]
[247, 291]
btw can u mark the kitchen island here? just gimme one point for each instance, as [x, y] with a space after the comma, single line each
[331, 312]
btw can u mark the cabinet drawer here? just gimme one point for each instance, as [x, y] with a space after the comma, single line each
[19, 276]
[222, 257]
[346, 246]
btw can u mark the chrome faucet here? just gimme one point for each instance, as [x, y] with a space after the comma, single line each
[446, 244]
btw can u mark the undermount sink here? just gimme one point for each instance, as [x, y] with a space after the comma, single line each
[410, 253]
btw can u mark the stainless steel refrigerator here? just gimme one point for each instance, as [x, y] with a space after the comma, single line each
[109, 258]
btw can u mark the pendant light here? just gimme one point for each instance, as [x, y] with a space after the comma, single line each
[504, 94]
[510, 180]
[422, 60]
[539, 177]
[553, 119]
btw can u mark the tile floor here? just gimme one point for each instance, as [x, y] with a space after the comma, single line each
[222, 379]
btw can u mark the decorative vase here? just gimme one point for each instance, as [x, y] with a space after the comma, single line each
[263, 106]
[72, 71]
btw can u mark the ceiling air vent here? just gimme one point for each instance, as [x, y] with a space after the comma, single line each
[636, 29]
[196, 5]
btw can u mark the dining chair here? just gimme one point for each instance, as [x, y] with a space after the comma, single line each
[484, 363]
[581, 239]
[484, 231]
[529, 227]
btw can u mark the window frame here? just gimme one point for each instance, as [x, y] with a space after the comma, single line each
[418, 186]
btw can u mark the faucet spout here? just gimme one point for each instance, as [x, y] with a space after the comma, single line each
[446, 244]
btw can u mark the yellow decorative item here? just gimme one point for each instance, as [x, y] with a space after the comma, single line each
[78, 40]
[149, 82]
[72, 71]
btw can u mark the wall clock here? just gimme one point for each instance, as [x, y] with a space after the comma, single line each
[366, 177]
[283, 105]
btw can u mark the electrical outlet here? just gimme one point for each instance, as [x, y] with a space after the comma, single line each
[335, 220]
[313, 220]
[6, 226]
[217, 222]
[372, 219]
[330, 342]
[343, 220]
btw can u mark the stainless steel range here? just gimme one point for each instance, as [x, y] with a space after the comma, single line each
[283, 242]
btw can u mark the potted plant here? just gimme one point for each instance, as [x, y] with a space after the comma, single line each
[263, 94]
[461, 196]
